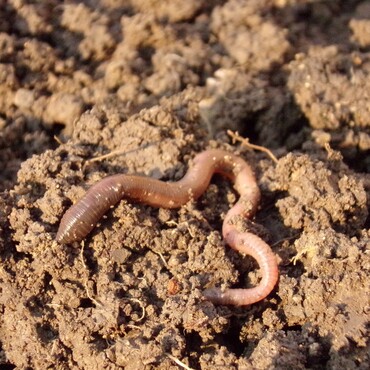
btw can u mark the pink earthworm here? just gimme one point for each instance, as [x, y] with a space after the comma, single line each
[83, 216]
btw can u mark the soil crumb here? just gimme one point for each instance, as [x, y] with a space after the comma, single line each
[90, 89]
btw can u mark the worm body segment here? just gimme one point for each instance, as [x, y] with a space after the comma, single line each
[83, 216]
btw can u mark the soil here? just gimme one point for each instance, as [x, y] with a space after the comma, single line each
[152, 83]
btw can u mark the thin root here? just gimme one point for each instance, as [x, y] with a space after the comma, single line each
[295, 236]
[97, 303]
[178, 362]
[56, 138]
[308, 252]
[119, 152]
[236, 137]
[141, 305]
[161, 257]
[108, 155]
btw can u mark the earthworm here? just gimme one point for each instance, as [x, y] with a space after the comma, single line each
[83, 216]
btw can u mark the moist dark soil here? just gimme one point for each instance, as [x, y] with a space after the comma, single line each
[93, 88]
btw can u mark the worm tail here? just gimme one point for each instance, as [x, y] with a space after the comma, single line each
[250, 244]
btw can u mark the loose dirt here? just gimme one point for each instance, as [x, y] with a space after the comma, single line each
[152, 83]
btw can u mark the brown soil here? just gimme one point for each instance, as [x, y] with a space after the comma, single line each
[160, 81]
